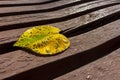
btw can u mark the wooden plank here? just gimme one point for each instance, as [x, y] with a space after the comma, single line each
[57, 14]
[4, 2]
[18, 61]
[88, 30]
[37, 6]
[103, 69]
[84, 20]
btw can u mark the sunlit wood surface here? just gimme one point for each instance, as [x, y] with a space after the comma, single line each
[92, 26]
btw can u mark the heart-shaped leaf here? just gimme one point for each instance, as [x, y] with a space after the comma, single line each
[45, 40]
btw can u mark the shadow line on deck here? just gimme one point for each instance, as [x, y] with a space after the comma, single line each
[92, 25]
[28, 4]
[8, 47]
[60, 67]
[44, 10]
[54, 20]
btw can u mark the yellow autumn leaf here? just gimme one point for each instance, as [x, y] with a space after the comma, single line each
[45, 40]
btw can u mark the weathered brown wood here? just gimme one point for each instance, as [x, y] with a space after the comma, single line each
[57, 14]
[84, 19]
[21, 1]
[93, 27]
[19, 60]
[102, 69]
[34, 7]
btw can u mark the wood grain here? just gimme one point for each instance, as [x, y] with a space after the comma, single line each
[92, 27]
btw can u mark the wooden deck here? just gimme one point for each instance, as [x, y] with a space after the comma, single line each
[94, 32]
